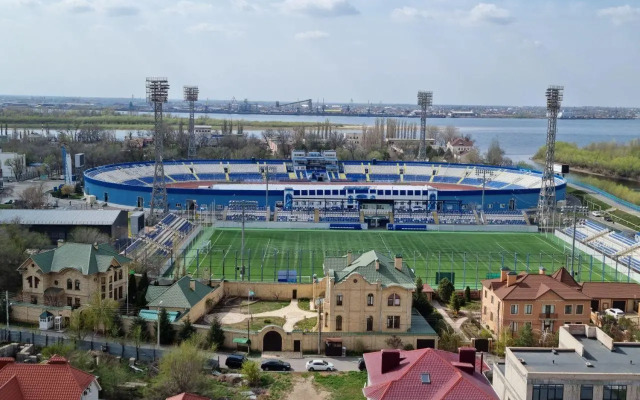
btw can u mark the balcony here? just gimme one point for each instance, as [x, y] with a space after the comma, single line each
[548, 316]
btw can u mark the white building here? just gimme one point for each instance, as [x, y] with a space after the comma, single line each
[7, 171]
[202, 129]
[587, 364]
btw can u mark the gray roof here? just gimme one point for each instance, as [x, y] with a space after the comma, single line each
[569, 361]
[419, 325]
[365, 265]
[180, 295]
[60, 217]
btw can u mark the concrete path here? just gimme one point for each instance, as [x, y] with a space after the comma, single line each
[292, 313]
[456, 325]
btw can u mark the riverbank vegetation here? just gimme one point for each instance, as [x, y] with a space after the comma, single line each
[608, 158]
[616, 189]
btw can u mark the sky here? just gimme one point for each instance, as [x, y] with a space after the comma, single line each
[466, 52]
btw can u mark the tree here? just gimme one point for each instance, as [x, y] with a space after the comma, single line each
[445, 289]
[505, 340]
[180, 370]
[215, 336]
[15, 241]
[117, 329]
[252, 372]
[394, 342]
[525, 337]
[132, 289]
[33, 197]
[141, 300]
[17, 165]
[467, 294]
[79, 324]
[454, 304]
[88, 235]
[67, 190]
[101, 312]
[144, 330]
[166, 329]
[186, 330]
[449, 340]
[495, 153]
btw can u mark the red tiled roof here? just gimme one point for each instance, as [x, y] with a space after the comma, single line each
[404, 382]
[611, 290]
[461, 142]
[187, 396]
[532, 286]
[565, 277]
[427, 289]
[55, 380]
[11, 389]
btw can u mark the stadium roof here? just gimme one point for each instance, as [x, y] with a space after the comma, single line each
[60, 217]
[373, 267]
[86, 258]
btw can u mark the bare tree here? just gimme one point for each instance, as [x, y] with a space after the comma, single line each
[33, 197]
[88, 235]
[17, 166]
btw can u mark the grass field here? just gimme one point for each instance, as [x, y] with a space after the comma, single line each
[471, 256]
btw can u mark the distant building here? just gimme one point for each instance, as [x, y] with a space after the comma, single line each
[54, 380]
[7, 171]
[461, 114]
[202, 129]
[587, 364]
[426, 374]
[460, 146]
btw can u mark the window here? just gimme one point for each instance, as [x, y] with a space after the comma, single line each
[491, 316]
[339, 323]
[77, 301]
[491, 299]
[120, 292]
[30, 280]
[77, 284]
[568, 309]
[484, 310]
[115, 275]
[614, 392]
[369, 324]
[586, 392]
[36, 281]
[514, 309]
[120, 274]
[579, 309]
[513, 326]
[69, 301]
[393, 300]
[485, 293]
[528, 308]
[69, 284]
[548, 392]
[55, 283]
[370, 299]
[393, 322]
[339, 300]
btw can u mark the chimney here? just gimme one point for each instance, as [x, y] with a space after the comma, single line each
[512, 276]
[397, 262]
[542, 271]
[192, 285]
[503, 274]
[349, 257]
[60, 242]
[390, 360]
[466, 360]
[377, 265]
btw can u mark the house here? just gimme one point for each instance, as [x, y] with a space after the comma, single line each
[369, 293]
[179, 297]
[426, 374]
[587, 364]
[460, 146]
[622, 295]
[543, 301]
[428, 291]
[54, 380]
[71, 273]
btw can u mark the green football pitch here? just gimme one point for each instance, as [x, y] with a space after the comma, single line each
[469, 257]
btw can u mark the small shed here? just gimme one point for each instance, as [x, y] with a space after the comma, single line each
[46, 321]
[242, 344]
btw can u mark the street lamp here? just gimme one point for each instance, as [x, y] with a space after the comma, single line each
[159, 304]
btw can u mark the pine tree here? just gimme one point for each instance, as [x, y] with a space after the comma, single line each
[445, 289]
[454, 303]
[467, 294]
[132, 289]
[166, 329]
[215, 337]
[186, 330]
[144, 331]
[142, 290]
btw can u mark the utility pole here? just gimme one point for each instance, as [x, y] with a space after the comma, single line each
[242, 248]
[7, 307]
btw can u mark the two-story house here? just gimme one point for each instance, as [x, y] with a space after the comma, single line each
[546, 302]
[71, 273]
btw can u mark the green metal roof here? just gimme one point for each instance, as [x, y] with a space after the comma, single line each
[419, 325]
[365, 265]
[180, 295]
[154, 291]
[241, 340]
[86, 258]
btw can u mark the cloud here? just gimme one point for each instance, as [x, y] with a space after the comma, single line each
[244, 5]
[489, 13]
[620, 15]
[311, 35]
[409, 13]
[185, 7]
[319, 8]
[205, 27]
[122, 11]
[76, 6]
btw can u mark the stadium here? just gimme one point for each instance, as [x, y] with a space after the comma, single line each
[373, 192]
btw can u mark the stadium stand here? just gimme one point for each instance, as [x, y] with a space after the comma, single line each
[160, 239]
[504, 217]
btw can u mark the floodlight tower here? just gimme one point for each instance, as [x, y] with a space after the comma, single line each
[547, 200]
[191, 95]
[158, 93]
[425, 99]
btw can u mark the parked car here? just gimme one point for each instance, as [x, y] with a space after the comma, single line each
[235, 361]
[596, 213]
[608, 218]
[319, 365]
[361, 365]
[275, 365]
[614, 312]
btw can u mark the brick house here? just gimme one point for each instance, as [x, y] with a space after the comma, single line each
[71, 273]
[544, 301]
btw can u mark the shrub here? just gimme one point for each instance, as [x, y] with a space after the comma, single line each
[252, 372]
[408, 346]
[394, 342]
[467, 294]
[445, 289]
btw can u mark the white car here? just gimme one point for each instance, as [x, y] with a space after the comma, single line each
[319, 365]
[596, 213]
[614, 312]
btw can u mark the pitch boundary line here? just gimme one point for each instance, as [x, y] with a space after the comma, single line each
[385, 243]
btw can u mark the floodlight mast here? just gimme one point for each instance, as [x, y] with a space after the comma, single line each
[191, 96]
[425, 99]
[157, 94]
[547, 200]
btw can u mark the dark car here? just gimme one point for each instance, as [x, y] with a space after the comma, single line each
[275, 365]
[361, 365]
[235, 361]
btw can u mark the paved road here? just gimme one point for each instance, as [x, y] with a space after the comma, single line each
[299, 364]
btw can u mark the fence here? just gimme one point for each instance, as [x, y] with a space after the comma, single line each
[114, 348]
[603, 193]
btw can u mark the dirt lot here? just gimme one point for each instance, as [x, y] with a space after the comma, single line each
[303, 388]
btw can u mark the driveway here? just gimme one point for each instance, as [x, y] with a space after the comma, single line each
[291, 313]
